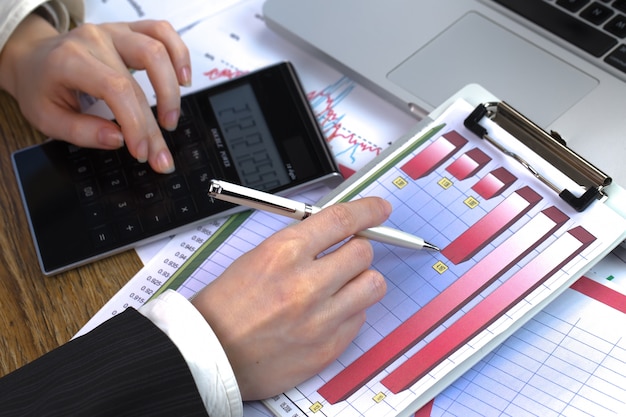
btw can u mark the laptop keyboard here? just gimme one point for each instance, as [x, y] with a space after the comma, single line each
[596, 27]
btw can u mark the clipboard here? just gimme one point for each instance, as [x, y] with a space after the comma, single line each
[565, 182]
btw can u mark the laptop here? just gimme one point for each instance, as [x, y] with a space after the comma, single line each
[560, 62]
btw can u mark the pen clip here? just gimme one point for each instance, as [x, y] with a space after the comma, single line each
[252, 198]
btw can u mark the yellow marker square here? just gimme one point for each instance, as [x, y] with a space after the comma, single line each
[400, 182]
[379, 397]
[445, 183]
[316, 406]
[440, 267]
[471, 202]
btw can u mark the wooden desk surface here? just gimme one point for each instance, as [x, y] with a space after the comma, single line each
[39, 313]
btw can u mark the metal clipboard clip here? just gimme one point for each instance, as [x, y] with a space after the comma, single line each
[550, 146]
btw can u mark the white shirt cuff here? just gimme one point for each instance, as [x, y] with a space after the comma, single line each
[193, 336]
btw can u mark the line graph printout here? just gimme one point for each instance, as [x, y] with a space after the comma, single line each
[358, 124]
[441, 210]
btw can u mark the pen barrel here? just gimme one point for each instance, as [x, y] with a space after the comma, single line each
[393, 237]
[259, 200]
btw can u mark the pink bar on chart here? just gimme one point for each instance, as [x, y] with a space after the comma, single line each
[487, 311]
[494, 183]
[434, 155]
[490, 226]
[443, 306]
[601, 293]
[468, 164]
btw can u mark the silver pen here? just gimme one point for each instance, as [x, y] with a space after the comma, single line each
[297, 210]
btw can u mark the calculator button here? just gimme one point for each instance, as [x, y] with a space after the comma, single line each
[129, 228]
[149, 194]
[81, 168]
[186, 134]
[193, 155]
[106, 160]
[141, 173]
[94, 214]
[184, 208]
[199, 179]
[88, 190]
[155, 217]
[121, 203]
[176, 186]
[113, 181]
[102, 236]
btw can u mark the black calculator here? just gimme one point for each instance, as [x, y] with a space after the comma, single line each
[257, 130]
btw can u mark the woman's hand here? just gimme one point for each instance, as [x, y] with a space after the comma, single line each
[282, 312]
[44, 70]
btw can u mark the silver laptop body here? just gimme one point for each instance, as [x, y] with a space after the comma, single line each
[417, 53]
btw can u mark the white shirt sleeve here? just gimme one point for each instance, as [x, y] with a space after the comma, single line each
[209, 365]
[12, 12]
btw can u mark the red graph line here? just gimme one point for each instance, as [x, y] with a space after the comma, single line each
[324, 102]
[225, 73]
[509, 293]
[443, 306]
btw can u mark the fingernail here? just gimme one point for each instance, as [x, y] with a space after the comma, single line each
[171, 120]
[185, 76]
[142, 152]
[110, 138]
[165, 162]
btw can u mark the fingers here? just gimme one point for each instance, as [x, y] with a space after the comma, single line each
[104, 76]
[340, 221]
[156, 47]
[176, 48]
[344, 276]
[79, 129]
[103, 72]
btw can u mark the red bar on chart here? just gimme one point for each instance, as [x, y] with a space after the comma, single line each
[601, 293]
[487, 311]
[443, 306]
[490, 226]
[468, 164]
[434, 155]
[494, 183]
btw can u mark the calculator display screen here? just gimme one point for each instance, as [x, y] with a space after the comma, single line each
[248, 138]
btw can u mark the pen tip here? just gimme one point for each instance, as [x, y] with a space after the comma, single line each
[430, 246]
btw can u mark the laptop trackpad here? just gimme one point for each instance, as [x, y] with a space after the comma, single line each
[476, 50]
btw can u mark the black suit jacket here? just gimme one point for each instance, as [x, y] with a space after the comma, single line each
[125, 367]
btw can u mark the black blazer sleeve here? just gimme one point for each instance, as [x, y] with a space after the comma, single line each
[125, 367]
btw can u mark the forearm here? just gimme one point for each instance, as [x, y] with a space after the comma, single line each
[202, 351]
[124, 367]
